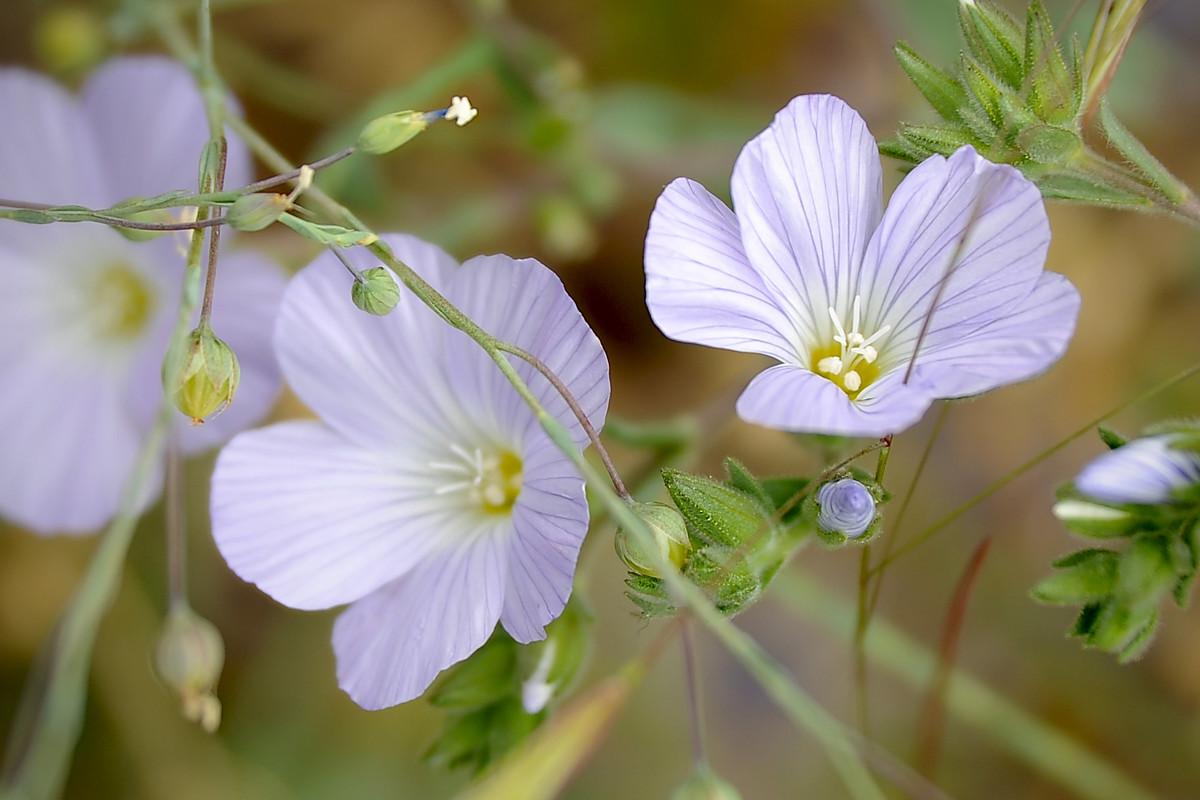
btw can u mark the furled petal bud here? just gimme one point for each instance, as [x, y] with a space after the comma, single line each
[188, 659]
[670, 537]
[847, 507]
[375, 292]
[207, 377]
[253, 212]
[386, 133]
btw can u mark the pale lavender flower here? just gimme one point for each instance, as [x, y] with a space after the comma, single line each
[85, 314]
[1143, 471]
[427, 496]
[812, 272]
[846, 507]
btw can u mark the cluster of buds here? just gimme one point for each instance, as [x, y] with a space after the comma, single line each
[1145, 493]
[188, 659]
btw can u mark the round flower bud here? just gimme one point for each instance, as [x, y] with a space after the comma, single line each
[670, 537]
[253, 212]
[188, 659]
[847, 507]
[375, 292]
[207, 377]
[386, 133]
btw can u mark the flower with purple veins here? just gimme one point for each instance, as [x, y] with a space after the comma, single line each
[846, 507]
[1144, 471]
[86, 314]
[427, 496]
[872, 314]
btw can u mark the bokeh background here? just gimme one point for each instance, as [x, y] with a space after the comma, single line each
[587, 109]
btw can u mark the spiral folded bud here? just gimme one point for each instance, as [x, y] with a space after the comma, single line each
[670, 538]
[846, 507]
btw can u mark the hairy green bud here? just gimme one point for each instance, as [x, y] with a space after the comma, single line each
[670, 539]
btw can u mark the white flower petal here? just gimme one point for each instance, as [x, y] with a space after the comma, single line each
[523, 303]
[992, 213]
[1020, 345]
[700, 287]
[550, 519]
[808, 192]
[149, 122]
[795, 399]
[317, 521]
[373, 378]
[392, 644]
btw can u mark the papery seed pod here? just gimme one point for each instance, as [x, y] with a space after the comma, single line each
[207, 377]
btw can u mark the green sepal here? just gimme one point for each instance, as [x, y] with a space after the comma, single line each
[1080, 189]
[1054, 90]
[942, 92]
[1136, 153]
[210, 163]
[1086, 576]
[1049, 144]
[994, 38]
[649, 594]
[903, 151]
[1188, 561]
[476, 739]
[328, 234]
[1112, 440]
[987, 94]
[487, 676]
[741, 479]
[928, 139]
[717, 512]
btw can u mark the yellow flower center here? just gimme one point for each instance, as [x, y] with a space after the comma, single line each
[491, 481]
[849, 360]
[119, 302]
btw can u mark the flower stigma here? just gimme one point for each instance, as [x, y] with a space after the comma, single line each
[849, 360]
[490, 481]
[119, 302]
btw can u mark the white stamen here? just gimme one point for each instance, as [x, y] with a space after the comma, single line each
[831, 365]
[868, 353]
[460, 111]
[852, 381]
[837, 323]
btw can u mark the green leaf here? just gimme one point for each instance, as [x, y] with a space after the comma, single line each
[934, 138]
[943, 92]
[1136, 153]
[994, 38]
[486, 677]
[1086, 576]
[1049, 144]
[719, 513]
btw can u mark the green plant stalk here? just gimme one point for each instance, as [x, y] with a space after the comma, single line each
[1037, 744]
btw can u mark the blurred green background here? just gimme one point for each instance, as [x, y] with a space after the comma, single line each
[587, 109]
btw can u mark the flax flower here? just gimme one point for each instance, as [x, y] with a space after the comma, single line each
[427, 496]
[85, 314]
[872, 314]
[1145, 471]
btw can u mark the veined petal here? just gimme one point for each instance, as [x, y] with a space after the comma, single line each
[1017, 346]
[808, 192]
[245, 306]
[1143, 471]
[796, 399]
[358, 371]
[391, 644]
[700, 286]
[523, 303]
[550, 519]
[962, 233]
[148, 119]
[316, 521]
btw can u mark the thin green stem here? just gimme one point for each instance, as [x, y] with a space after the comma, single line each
[1039, 458]
[691, 682]
[176, 524]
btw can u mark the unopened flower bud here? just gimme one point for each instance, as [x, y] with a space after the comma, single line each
[375, 292]
[188, 659]
[847, 507]
[253, 212]
[206, 378]
[386, 133]
[670, 537]
[159, 215]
